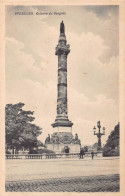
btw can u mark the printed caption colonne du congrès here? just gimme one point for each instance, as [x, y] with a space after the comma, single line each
[40, 13]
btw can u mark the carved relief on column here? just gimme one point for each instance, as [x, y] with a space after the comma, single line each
[62, 62]
[62, 77]
[62, 107]
[62, 91]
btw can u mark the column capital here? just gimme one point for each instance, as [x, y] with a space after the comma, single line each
[62, 49]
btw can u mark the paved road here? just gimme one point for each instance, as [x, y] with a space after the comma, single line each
[66, 175]
[41, 169]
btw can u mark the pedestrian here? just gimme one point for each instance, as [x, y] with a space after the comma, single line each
[92, 154]
[81, 153]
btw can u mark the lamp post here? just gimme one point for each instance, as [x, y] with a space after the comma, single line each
[99, 134]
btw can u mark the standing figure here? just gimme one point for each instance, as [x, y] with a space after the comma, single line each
[76, 137]
[62, 28]
[81, 153]
[92, 154]
[47, 139]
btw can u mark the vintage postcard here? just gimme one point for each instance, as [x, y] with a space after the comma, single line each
[62, 97]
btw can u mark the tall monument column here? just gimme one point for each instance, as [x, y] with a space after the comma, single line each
[62, 122]
[62, 139]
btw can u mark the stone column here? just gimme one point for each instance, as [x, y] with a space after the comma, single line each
[62, 51]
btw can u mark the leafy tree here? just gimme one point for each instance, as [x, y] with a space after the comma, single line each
[111, 147]
[95, 146]
[85, 148]
[41, 151]
[20, 132]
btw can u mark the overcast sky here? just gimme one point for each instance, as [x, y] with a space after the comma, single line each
[93, 67]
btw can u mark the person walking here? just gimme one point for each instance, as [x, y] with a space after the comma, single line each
[82, 153]
[92, 154]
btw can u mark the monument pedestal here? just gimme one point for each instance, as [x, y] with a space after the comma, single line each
[61, 141]
[59, 148]
[62, 123]
[62, 129]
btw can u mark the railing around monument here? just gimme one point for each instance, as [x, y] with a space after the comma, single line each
[47, 156]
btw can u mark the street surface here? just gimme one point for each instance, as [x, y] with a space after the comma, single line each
[99, 174]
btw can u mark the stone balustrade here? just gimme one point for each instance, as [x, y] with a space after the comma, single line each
[47, 156]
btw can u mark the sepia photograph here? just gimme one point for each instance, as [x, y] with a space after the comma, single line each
[62, 98]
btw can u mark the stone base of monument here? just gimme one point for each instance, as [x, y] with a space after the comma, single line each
[62, 129]
[63, 142]
[60, 148]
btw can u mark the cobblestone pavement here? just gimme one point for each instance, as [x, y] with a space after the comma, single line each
[104, 183]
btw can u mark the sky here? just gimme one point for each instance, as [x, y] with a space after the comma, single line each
[93, 65]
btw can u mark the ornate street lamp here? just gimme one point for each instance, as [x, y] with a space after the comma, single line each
[99, 134]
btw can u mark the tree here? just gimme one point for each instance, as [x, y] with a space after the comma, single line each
[111, 147]
[85, 148]
[20, 132]
[95, 146]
